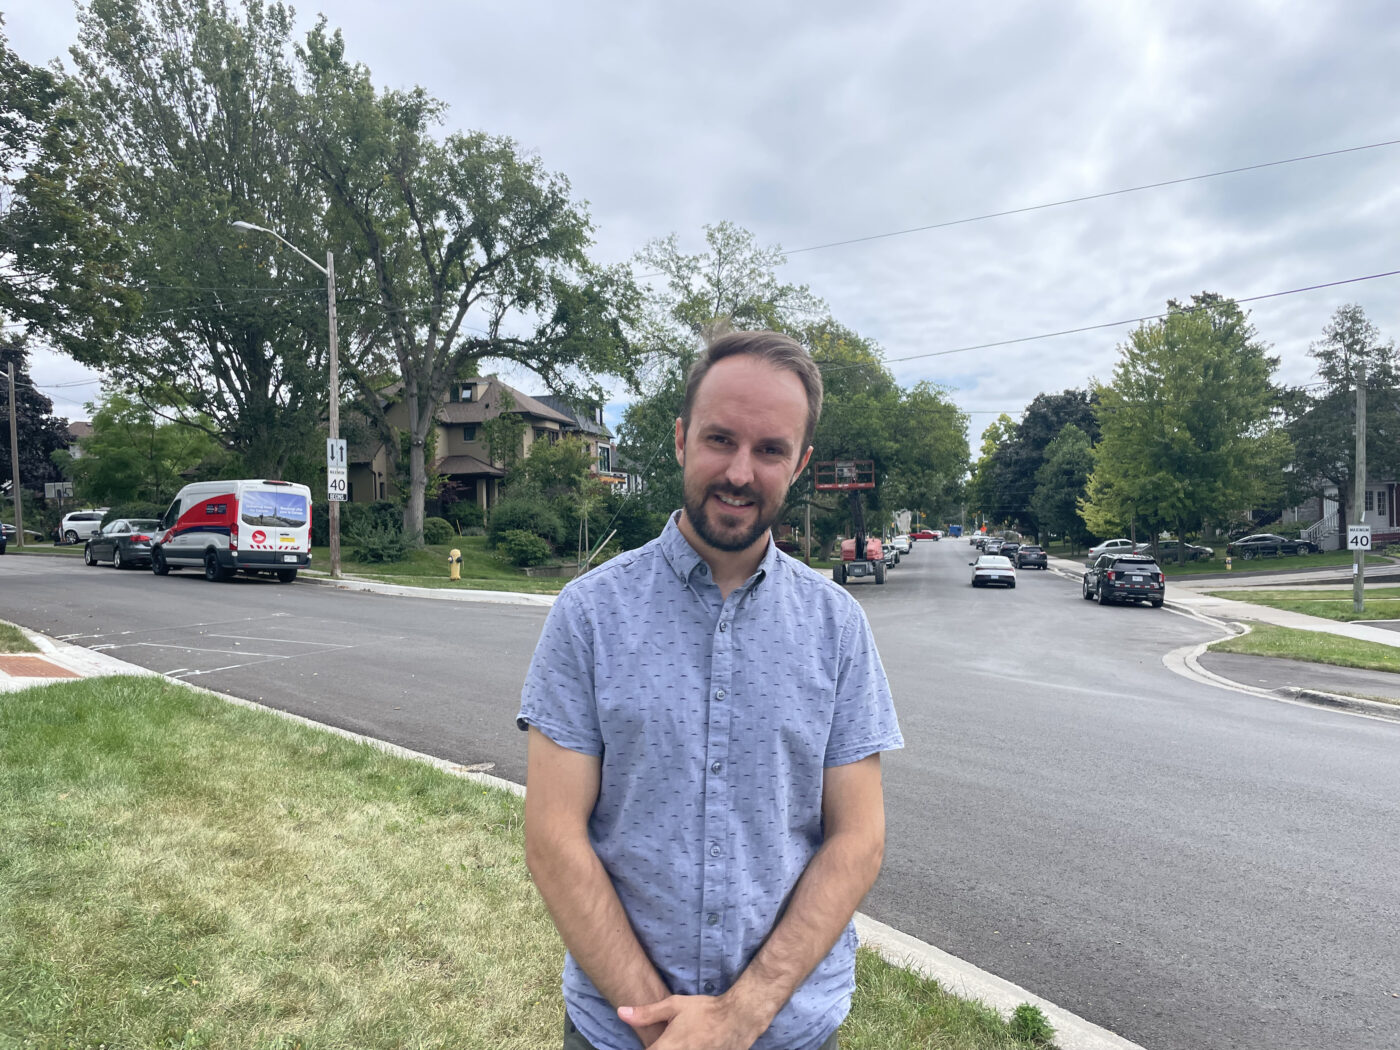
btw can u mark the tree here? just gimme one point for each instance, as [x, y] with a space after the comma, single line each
[196, 112]
[60, 261]
[460, 249]
[731, 285]
[133, 456]
[40, 433]
[1188, 433]
[1061, 482]
[1323, 424]
[989, 491]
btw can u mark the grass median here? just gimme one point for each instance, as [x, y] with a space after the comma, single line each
[1382, 603]
[178, 871]
[1316, 647]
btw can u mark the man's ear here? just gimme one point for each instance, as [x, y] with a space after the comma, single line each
[803, 465]
[680, 442]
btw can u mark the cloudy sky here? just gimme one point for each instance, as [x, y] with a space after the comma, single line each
[815, 122]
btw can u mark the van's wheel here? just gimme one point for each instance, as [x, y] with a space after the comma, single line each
[158, 563]
[212, 572]
[117, 558]
[286, 575]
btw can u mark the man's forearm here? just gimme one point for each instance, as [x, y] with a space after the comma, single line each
[826, 896]
[593, 924]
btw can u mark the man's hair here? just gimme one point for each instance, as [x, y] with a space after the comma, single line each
[781, 351]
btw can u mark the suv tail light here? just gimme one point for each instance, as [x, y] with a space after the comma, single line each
[1110, 575]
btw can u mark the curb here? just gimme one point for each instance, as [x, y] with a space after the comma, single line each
[440, 593]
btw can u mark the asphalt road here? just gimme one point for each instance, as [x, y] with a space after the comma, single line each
[1187, 866]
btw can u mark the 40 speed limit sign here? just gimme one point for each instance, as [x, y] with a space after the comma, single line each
[1359, 538]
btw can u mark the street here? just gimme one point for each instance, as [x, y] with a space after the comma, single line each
[1187, 866]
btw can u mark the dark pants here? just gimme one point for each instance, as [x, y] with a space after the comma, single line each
[574, 1041]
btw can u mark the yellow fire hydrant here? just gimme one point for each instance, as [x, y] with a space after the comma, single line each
[1229, 563]
[454, 564]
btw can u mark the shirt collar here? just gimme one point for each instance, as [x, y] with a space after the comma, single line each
[684, 559]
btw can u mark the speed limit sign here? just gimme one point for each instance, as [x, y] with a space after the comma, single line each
[1359, 538]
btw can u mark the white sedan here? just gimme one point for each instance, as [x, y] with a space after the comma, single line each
[993, 568]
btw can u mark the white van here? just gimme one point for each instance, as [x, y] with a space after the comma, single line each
[225, 527]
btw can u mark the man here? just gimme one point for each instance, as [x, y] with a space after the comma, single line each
[706, 717]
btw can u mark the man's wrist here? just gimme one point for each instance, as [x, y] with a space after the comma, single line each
[752, 1006]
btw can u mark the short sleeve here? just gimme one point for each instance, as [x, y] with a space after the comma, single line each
[864, 721]
[558, 697]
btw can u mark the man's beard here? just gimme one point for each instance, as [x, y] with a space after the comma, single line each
[727, 538]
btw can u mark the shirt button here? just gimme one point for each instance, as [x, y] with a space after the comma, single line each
[723, 626]
[712, 919]
[714, 851]
[714, 767]
[719, 694]
[709, 987]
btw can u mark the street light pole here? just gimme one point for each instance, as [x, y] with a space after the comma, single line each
[334, 413]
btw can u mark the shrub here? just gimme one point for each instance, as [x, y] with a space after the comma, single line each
[1029, 1025]
[464, 515]
[436, 531]
[527, 514]
[474, 530]
[373, 542]
[523, 547]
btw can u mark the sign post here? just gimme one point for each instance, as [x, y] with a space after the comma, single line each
[1358, 542]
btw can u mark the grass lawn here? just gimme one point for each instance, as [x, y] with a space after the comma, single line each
[1313, 646]
[428, 567]
[178, 871]
[1382, 603]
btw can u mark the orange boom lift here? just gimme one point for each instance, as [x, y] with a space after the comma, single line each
[864, 555]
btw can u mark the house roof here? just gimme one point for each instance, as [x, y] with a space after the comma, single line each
[466, 466]
[79, 429]
[581, 420]
[486, 405]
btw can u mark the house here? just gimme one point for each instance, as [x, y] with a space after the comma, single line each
[1323, 512]
[462, 455]
[594, 432]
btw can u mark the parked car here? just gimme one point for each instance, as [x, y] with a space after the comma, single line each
[1118, 546]
[125, 542]
[1267, 545]
[890, 555]
[1167, 551]
[993, 568]
[81, 524]
[1125, 578]
[992, 545]
[1009, 549]
[902, 543]
[1031, 556]
[5, 532]
[925, 534]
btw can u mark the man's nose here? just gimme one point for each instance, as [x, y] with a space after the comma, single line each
[740, 471]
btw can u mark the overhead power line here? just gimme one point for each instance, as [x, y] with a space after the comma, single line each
[1090, 197]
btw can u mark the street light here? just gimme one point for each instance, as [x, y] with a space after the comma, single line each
[329, 271]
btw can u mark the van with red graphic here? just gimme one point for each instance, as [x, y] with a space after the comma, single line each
[226, 527]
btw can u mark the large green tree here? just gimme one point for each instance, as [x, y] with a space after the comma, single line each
[1188, 424]
[60, 261]
[195, 108]
[1323, 418]
[40, 432]
[461, 248]
[135, 456]
[1061, 482]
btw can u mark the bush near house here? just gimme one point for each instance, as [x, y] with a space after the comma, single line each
[527, 513]
[523, 547]
[437, 531]
[464, 515]
[352, 515]
[371, 541]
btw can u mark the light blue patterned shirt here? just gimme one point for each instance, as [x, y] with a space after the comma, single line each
[714, 720]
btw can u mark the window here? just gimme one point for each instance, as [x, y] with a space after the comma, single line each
[1381, 504]
[288, 509]
[462, 392]
[1370, 500]
[469, 432]
[604, 458]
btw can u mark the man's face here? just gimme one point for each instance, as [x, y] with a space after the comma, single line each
[742, 451]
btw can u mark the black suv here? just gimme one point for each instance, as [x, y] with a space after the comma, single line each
[1125, 578]
[1028, 555]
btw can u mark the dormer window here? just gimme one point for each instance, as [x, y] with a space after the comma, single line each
[466, 392]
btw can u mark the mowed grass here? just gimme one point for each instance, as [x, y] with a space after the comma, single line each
[481, 568]
[1382, 603]
[1313, 646]
[13, 640]
[177, 871]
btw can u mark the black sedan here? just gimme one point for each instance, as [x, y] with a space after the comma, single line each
[125, 542]
[1170, 551]
[1267, 545]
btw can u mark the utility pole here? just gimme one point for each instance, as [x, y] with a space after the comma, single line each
[334, 505]
[14, 463]
[1358, 565]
